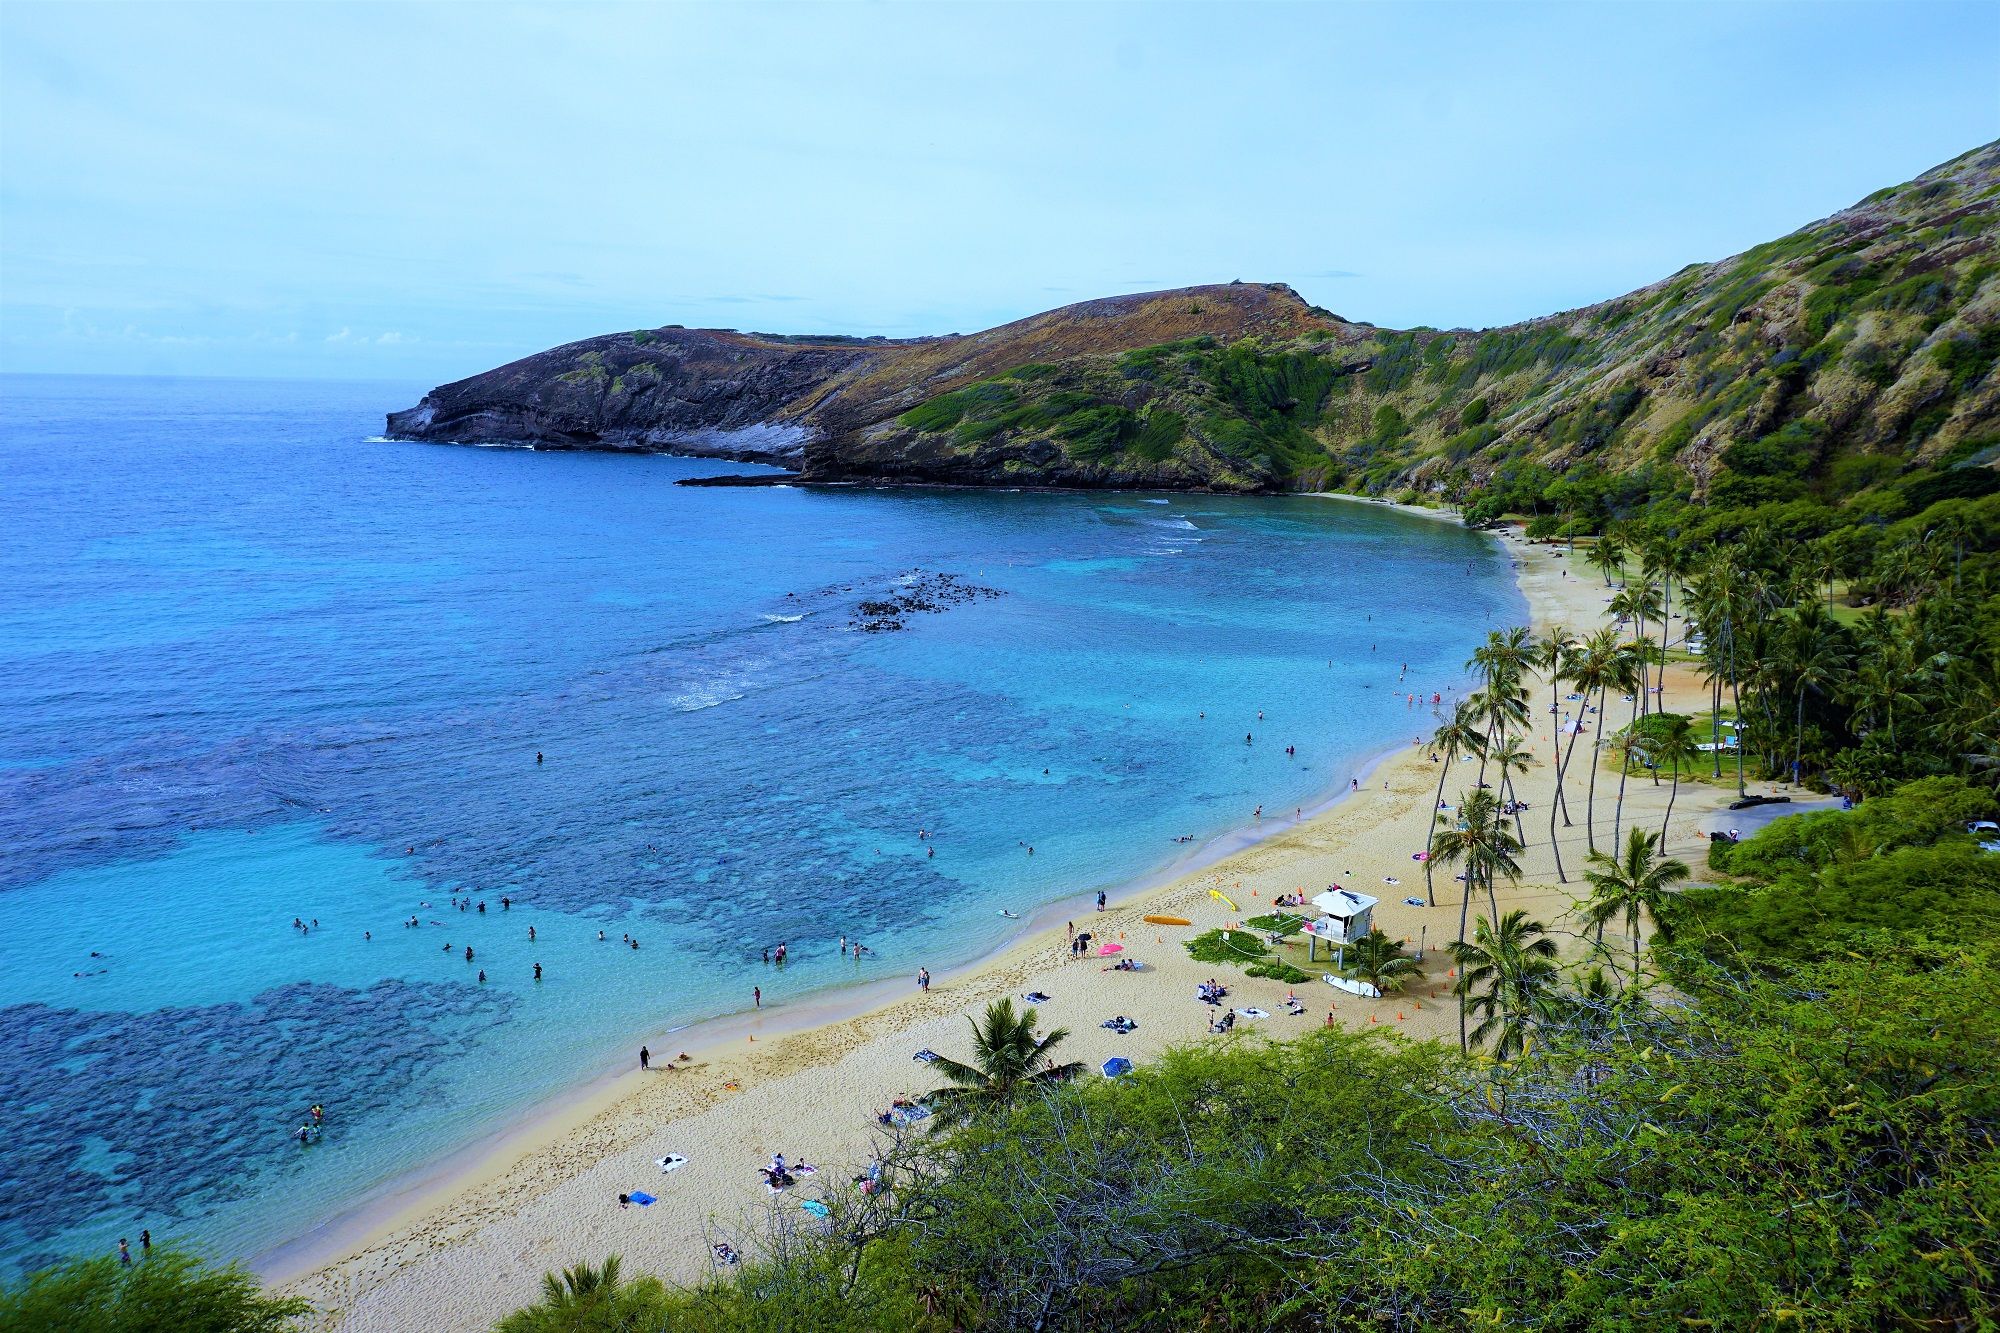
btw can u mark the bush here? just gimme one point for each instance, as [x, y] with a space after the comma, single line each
[166, 1292]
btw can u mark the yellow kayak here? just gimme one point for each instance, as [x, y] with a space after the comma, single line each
[1169, 921]
[1224, 899]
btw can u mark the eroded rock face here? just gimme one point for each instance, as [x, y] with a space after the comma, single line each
[794, 401]
[685, 391]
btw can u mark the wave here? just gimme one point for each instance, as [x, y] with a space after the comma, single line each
[712, 696]
[784, 620]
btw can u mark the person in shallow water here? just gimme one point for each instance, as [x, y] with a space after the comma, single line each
[645, 1058]
[538, 971]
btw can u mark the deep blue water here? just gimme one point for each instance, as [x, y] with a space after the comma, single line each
[255, 664]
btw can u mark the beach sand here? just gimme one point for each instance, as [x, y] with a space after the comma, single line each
[464, 1249]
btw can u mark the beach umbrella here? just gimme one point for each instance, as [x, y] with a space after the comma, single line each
[1116, 1066]
[1110, 949]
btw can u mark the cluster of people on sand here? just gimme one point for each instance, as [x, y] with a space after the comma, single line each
[1211, 992]
[780, 1175]
[1078, 943]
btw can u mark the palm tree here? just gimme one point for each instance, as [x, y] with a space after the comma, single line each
[1508, 976]
[1511, 757]
[1500, 662]
[1618, 669]
[1458, 735]
[1606, 555]
[1671, 561]
[1381, 962]
[591, 1300]
[1811, 654]
[1557, 648]
[1007, 1057]
[1590, 666]
[1630, 884]
[1671, 746]
[1480, 838]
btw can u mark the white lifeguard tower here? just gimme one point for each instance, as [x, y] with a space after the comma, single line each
[1345, 917]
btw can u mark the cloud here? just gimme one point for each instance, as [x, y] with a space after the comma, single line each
[345, 335]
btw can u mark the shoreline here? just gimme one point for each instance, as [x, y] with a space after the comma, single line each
[380, 1210]
[470, 1240]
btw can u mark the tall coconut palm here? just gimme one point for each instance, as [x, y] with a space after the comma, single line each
[584, 1299]
[1672, 744]
[1381, 962]
[1671, 562]
[1557, 647]
[1500, 663]
[1510, 756]
[1460, 734]
[1620, 671]
[1479, 838]
[1590, 664]
[1630, 885]
[1508, 976]
[1607, 556]
[1008, 1058]
[1810, 653]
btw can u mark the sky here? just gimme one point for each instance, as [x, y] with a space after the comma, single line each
[421, 192]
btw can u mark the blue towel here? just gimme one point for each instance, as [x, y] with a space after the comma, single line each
[816, 1208]
[643, 1199]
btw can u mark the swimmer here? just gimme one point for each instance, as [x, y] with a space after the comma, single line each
[538, 971]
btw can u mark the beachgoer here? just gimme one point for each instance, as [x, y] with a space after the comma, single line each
[145, 1242]
[767, 951]
[468, 953]
[757, 994]
[538, 971]
[538, 756]
[506, 904]
[645, 1058]
[124, 1252]
[1100, 900]
[482, 907]
[624, 1200]
[635, 939]
[482, 976]
[367, 934]
[531, 934]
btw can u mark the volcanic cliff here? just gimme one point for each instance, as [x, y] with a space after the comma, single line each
[1869, 334]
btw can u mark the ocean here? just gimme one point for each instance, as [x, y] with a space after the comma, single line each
[259, 665]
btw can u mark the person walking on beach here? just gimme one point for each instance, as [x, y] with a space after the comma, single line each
[757, 994]
[645, 1059]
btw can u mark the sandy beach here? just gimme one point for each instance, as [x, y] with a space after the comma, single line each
[472, 1243]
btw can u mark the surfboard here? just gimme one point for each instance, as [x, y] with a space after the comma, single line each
[1224, 899]
[1169, 920]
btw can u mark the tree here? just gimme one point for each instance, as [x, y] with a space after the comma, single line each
[1008, 1057]
[1591, 667]
[1552, 655]
[1607, 556]
[1479, 837]
[1381, 962]
[1508, 976]
[1630, 885]
[1810, 653]
[584, 1299]
[166, 1292]
[1460, 734]
[1671, 745]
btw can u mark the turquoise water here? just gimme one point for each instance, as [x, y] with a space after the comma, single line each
[255, 665]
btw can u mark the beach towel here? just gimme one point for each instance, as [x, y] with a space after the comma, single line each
[1253, 1013]
[1413, 902]
[909, 1115]
[643, 1200]
[926, 1056]
[816, 1208]
[673, 1161]
[1036, 997]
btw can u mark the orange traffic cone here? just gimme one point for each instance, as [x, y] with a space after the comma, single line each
[1399, 1016]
